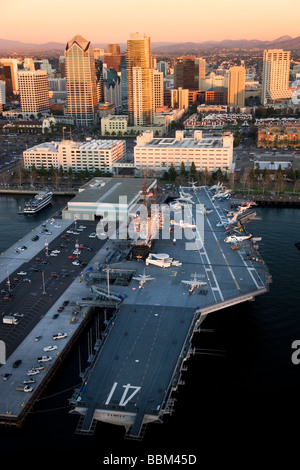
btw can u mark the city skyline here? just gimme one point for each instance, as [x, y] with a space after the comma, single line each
[173, 24]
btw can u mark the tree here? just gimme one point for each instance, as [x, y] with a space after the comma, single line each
[32, 175]
[193, 169]
[182, 169]
[279, 179]
[172, 172]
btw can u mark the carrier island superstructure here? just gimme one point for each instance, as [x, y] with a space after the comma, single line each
[160, 290]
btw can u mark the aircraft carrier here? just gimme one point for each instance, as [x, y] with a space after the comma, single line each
[161, 289]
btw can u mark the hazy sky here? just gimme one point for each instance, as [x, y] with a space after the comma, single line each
[163, 20]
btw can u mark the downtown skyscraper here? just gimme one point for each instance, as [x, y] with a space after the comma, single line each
[140, 81]
[236, 86]
[275, 79]
[34, 91]
[81, 81]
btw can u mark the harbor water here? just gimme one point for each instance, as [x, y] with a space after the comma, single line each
[235, 399]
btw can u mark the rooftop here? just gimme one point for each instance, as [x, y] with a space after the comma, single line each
[109, 190]
[87, 145]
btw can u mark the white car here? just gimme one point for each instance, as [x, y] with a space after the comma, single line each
[33, 372]
[21, 273]
[93, 235]
[53, 254]
[69, 231]
[28, 388]
[49, 348]
[57, 226]
[76, 233]
[76, 263]
[55, 251]
[82, 226]
[76, 252]
[59, 336]
[44, 359]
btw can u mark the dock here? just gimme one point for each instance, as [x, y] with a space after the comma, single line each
[35, 305]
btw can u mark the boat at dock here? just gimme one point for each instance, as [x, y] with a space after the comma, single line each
[41, 200]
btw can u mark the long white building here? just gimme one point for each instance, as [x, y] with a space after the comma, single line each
[157, 154]
[90, 155]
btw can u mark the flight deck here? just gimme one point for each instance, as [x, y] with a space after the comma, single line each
[166, 296]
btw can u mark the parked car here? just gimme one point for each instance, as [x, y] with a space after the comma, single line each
[59, 336]
[49, 348]
[44, 358]
[17, 363]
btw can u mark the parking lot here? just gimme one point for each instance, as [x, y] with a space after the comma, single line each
[30, 290]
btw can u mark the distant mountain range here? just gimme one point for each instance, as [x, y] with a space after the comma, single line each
[284, 42]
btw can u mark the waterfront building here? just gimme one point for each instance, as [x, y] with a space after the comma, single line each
[111, 198]
[90, 155]
[157, 154]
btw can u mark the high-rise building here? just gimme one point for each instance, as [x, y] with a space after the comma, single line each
[10, 67]
[236, 86]
[81, 81]
[2, 94]
[143, 96]
[162, 67]
[113, 48]
[34, 91]
[275, 79]
[139, 80]
[188, 71]
[158, 84]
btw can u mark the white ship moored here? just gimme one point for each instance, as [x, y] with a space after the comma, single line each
[40, 201]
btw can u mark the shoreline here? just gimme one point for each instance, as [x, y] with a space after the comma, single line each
[273, 200]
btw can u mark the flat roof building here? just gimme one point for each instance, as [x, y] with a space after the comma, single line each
[80, 156]
[109, 198]
[157, 154]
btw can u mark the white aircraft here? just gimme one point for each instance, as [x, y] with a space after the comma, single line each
[236, 239]
[143, 278]
[183, 224]
[228, 221]
[221, 194]
[185, 199]
[194, 283]
[244, 207]
[194, 184]
[176, 205]
[204, 211]
[216, 187]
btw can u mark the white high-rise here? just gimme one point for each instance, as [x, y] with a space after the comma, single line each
[275, 79]
[34, 91]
